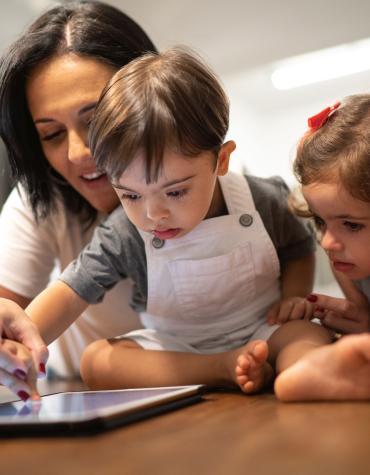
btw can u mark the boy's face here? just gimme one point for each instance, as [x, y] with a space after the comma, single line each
[184, 194]
[344, 224]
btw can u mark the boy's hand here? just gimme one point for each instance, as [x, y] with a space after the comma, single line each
[17, 370]
[290, 308]
[340, 314]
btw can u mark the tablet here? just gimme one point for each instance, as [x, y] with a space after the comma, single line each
[88, 412]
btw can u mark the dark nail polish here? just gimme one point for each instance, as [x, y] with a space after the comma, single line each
[23, 395]
[42, 368]
[20, 374]
[312, 298]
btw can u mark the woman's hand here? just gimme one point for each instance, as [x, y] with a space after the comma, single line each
[24, 361]
[21, 381]
[290, 308]
[341, 314]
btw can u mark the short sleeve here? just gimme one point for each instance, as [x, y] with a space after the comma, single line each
[27, 247]
[292, 236]
[116, 251]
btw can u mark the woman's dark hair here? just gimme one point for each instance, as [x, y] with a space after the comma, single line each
[158, 101]
[95, 30]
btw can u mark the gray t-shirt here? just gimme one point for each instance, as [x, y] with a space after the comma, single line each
[117, 250]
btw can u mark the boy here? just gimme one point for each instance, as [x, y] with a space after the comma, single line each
[212, 255]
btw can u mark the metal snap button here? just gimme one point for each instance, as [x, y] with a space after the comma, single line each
[246, 220]
[157, 243]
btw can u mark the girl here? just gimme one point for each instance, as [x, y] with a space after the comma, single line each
[333, 167]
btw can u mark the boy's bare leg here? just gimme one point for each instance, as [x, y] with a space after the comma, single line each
[124, 364]
[109, 364]
[308, 367]
[284, 348]
[333, 372]
[294, 339]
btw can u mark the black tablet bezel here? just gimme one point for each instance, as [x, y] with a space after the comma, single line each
[93, 424]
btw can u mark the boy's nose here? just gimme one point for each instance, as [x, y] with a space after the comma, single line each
[156, 212]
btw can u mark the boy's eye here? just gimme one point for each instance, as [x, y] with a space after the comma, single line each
[351, 226]
[177, 193]
[130, 197]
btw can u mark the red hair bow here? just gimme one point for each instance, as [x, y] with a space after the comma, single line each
[318, 120]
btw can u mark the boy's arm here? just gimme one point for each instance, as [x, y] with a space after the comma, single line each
[294, 242]
[296, 279]
[55, 309]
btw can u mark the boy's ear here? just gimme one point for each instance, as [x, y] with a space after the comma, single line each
[224, 157]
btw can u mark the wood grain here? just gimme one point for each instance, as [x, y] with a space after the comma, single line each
[228, 433]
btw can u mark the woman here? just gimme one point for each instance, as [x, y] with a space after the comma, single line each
[50, 80]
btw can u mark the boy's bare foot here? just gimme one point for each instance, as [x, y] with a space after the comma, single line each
[252, 371]
[332, 372]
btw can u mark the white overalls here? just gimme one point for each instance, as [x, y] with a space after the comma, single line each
[209, 290]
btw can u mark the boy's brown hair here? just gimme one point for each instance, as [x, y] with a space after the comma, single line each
[339, 151]
[158, 101]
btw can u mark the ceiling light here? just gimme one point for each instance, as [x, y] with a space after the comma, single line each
[322, 65]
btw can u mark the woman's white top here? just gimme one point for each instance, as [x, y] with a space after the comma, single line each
[32, 254]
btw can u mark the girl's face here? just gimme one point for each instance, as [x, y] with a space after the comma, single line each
[61, 96]
[185, 193]
[344, 225]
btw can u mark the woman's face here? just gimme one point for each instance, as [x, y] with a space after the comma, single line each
[61, 95]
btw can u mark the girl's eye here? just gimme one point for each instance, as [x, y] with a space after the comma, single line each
[177, 193]
[320, 227]
[319, 223]
[353, 227]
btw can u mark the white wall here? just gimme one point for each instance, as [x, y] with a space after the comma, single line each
[266, 125]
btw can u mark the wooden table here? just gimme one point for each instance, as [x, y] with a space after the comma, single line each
[228, 433]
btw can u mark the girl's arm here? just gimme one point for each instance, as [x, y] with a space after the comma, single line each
[348, 315]
[297, 278]
[351, 292]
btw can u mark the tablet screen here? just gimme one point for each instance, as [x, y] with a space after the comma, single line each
[85, 405]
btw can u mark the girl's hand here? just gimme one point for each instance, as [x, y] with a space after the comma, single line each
[340, 314]
[290, 308]
[16, 325]
[22, 380]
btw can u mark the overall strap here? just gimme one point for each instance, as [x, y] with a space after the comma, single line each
[237, 194]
